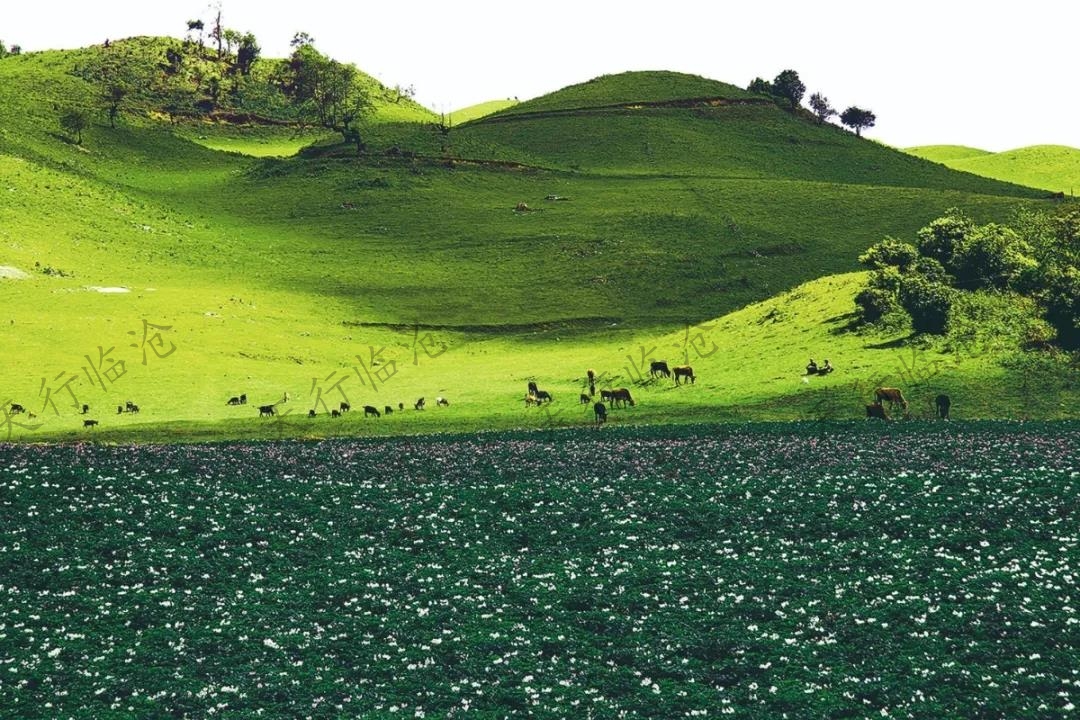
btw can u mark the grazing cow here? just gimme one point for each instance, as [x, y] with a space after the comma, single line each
[942, 402]
[659, 367]
[387, 410]
[129, 406]
[532, 387]
[345, 407]
[89, 423]
[607, 395]
[684, 371]
[893, 395]
[311, 413]
[600, 412]
[16, 408]
[441, 401]
[30, 415]
[233, 401]
[621, 395]
[419, 405]
[335, 413]
[876, 410]
[243, 399]
[585, 399]
[85, 409]
[134, 408]
[119, 409]
[266, 411]
[542, 395]
[400, 406]
[370, 410]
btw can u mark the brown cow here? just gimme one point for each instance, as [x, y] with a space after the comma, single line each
[876, 410]
[893, 395]
[684, 371]
[620, 395]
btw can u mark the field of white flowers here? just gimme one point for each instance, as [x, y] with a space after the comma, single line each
[815, 571]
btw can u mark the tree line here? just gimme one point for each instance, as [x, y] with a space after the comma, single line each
[787, 89]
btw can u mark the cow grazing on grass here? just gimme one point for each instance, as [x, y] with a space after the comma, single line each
[129, 406]
[89, 423]
[585, 399]
[876, 410]
[607, 395]
[311, 413]
[400, 406]
[387, 410]
[344, 407]
[686, 372]
[621, 395]
[134, 408]
[442, 402]
[85, 409]
[267, 411]
[659, 367]
[243, 399]
[233, 401]
[600, 413]
[893, 395]
[16, 408]
[119, 409]
[542, 395]
[370, 410]
[335, 413]
[419, 405]
[942, 403]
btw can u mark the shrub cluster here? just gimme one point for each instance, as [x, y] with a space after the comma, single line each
[1035, 256]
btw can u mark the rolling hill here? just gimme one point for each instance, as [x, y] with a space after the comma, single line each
[210, 271]
[1050, 167]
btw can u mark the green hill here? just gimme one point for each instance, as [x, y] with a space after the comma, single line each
[272, 273]
[474, 112]
[1050, 167]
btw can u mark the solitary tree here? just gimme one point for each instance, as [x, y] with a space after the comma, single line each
[247, 53]
[73, 122]
[788, 86]
[821, 107]
[857, 119]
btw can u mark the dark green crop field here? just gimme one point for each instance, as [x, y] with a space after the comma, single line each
[807, 570]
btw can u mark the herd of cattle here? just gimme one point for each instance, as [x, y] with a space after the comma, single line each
[614, 398]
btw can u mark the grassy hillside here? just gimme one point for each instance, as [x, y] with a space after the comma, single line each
[630, 88]
[1051, 167]
[271, 273]
[474, 112]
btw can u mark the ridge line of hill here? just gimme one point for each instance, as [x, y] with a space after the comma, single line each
[511, 116]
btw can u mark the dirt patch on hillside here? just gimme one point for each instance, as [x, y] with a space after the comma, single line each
[9, 272]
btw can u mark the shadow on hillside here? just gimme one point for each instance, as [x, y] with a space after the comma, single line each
[890, 344]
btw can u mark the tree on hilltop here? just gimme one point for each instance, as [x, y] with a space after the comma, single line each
[760, 85]
[787, 85]
[857, 119]
[821, 107]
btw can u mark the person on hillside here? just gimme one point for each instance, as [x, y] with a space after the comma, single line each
[811, 369]
[826, 368]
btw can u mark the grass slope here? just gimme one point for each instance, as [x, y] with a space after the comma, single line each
[474, 112]
[1050, 167]
[271, 274]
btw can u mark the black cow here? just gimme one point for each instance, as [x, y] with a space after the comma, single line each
[266, 411]
[659, 367]
[370, 410]
[876, 410]
[387, 410]
[600, 411]
[89, 423]
[344, 407]
[311, 413]
[942, 402]
[419, 405]
[584, 399]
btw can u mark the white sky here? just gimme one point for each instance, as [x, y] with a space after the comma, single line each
[988, 74]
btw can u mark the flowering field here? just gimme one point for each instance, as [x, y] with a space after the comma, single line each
[813, 571]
